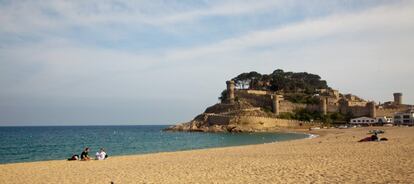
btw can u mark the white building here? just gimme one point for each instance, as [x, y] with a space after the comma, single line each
[363, 121]
[404, 118]
[370, 121]
[384, 120]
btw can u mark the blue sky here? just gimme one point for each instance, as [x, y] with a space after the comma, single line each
[162, 62]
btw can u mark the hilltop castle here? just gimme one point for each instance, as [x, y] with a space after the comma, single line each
[331, 101]
[285, 100]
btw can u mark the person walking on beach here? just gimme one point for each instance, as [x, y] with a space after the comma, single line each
[101, 154]
[85, 154]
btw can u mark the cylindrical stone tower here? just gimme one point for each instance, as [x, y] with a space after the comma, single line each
[323, 106]
[397, 98]
[230, 91]
[372, 110]
[275, 104]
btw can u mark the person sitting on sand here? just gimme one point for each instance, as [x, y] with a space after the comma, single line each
[85, 154]
[100, 155]
[374, 137]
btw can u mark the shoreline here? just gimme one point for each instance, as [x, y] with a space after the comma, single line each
[333, 156]
[172, 151]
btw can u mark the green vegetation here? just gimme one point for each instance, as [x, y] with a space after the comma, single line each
[223, 96]
[246, 79]
[306, 115]
[267, 110]
[278, 80]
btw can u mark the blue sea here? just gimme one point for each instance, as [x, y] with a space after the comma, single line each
[26, 144]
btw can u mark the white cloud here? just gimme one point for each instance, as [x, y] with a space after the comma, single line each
[29, 16]
[66, 62]
[364, 52]
[387, 20]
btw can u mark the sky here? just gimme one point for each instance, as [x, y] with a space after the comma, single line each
[111, 62]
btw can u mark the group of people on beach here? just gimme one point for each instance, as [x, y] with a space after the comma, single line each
[100, 155]
[374, 136]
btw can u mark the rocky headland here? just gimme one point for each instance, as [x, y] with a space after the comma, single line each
[254, 102]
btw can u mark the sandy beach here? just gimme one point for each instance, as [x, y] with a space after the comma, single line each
[333, 157]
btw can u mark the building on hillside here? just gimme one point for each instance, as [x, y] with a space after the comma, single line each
[404, 118]
[352, 100]
[371, 121]
[363, 121]
[330, 101]
[397, 103]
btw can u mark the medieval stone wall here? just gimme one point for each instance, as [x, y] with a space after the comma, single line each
[263, 100]
[286, 106]
[313, 107]
[259, 98]
[333, 108]
[257, 92]
[256, 122]
[358, 111]
[264, 122]
[390, 111]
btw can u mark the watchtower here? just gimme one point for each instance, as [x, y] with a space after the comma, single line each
[372, 109]
[275, 104]
[323, 105]
[397, 98]
[230, 91]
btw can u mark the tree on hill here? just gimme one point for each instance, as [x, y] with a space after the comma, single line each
[246, 79]
[279, 80]
[294, 82]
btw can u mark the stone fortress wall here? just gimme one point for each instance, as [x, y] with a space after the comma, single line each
[264, 99]
[390, 111]
[255, 97]
[333, 108]
[243, 110]
[357, 111]
[330, 102]
[256, 122]
[265, 122]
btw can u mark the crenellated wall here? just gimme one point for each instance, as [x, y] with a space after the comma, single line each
[257, 92]
[263, 99]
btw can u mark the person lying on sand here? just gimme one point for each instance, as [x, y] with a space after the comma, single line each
[85, 154]
[373, 138]
[74, 157]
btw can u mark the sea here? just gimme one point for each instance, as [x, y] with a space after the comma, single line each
[40, 143]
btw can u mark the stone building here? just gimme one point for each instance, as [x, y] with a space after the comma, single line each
[331, 101]
[249, 110]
